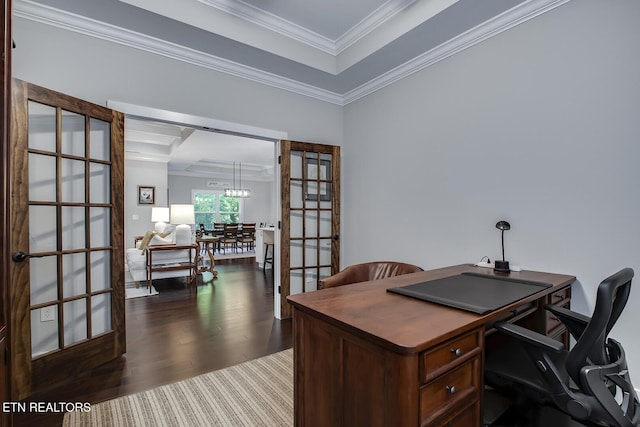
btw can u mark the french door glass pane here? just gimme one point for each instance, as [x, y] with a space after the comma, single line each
[295, 255]
[43, 273]
[100, 270]
[44, 333]
[74, 274]
[325, 251]
[100, 140]
[73, 181]
[100, 227]
[295, 224]
[324, 273]
[311, 224]
[100, 313]
[42, 182]
[311, 253]
[296, 164]
[100, 183]
[73, 227]
[42, 229]
[42, 127]
[72, 134]
[295, 282]
[295, 191]
[75, 321]
[325, 223]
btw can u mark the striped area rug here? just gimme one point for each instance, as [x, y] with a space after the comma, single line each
[254, 393]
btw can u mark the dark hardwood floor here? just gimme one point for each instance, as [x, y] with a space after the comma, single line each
[179, 334]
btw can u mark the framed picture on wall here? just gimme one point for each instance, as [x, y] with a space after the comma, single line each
[146, 195]
[315, 174]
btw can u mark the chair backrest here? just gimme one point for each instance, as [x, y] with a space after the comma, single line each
[367, 271]
[231, 231]
[591, 346]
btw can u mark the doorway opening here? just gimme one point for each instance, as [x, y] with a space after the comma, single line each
[202, 153]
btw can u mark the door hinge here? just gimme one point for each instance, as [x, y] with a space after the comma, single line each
[279, 290]
[279, 160]
[278, 225]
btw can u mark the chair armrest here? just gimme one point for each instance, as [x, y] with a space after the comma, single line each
[530, 337]
[575, 322]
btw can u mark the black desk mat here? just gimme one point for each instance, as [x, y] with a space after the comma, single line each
[478, 293]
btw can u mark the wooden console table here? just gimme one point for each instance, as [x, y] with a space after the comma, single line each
[172, 266]
[364, 356]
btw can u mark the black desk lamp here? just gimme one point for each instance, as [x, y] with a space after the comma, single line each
[502, 266]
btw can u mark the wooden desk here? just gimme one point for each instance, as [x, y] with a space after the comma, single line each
[363, 356]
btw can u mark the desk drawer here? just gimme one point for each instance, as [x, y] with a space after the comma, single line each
[469, 416]
[553, 322]
[560, 297]
[457, 387]
[448, 355]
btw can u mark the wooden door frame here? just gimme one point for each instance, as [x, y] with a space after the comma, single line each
[286, 147]
[5, 61]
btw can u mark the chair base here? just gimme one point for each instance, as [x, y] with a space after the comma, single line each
[528, 414]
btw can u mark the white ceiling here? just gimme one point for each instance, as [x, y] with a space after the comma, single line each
[195, 152]
[333, 50]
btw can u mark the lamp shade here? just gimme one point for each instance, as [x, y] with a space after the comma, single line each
[159, 214]
[182, 214]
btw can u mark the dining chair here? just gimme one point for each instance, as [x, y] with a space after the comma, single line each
[230, 237]
[248, 236]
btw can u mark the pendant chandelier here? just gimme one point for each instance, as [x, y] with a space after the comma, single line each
[237, 192]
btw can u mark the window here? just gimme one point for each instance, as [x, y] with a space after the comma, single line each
[213, 206]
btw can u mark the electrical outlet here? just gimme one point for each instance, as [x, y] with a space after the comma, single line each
[47, 314]
[485, 264]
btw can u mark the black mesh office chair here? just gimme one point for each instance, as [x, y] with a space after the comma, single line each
[591, 382]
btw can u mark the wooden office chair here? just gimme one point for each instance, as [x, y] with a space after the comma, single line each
[367, 271]
[590, 383]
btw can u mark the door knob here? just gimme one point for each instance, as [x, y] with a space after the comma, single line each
[21, 256]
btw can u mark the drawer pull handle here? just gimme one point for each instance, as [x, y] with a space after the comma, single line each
[456, 351]
[451, 389]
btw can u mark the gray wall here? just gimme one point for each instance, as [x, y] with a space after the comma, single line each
[138, 217]
[539, 126]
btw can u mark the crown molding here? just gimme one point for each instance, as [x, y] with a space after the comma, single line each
[274, 23]
[68, 21]
[378, 17]
[484, 31]
[294, 31]
[28, 9]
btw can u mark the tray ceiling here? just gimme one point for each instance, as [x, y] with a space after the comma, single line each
[334, 50]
